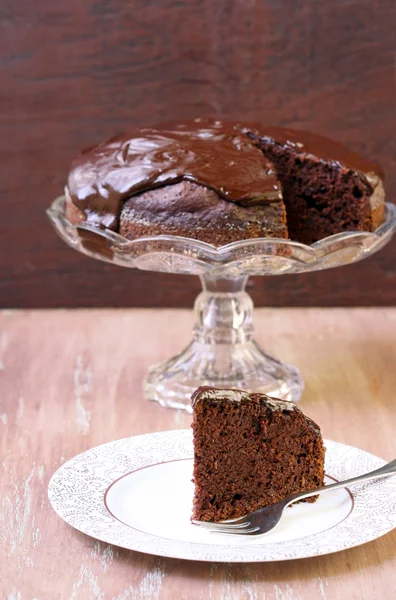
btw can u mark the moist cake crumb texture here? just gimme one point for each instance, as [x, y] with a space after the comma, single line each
[250, 451]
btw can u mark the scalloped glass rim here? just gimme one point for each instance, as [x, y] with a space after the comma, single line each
[259, 256]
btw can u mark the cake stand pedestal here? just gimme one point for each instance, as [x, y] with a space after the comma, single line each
[222, 352]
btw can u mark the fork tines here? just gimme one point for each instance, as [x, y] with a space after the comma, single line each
[236, 526]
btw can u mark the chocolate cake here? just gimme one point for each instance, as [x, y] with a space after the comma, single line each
[250, 451]
[220, 182]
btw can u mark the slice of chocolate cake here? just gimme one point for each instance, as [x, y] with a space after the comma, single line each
[250, 451]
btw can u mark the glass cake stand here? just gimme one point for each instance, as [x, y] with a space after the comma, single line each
[222, 352]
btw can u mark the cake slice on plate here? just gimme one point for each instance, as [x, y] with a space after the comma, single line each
[250, 451]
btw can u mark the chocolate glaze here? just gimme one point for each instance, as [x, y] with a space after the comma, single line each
[210, 394]
[213, 394]
[225, 157]
[215, 154]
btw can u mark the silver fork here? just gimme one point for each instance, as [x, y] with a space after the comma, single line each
[266, 519]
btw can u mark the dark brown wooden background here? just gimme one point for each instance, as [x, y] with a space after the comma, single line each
[73, 72]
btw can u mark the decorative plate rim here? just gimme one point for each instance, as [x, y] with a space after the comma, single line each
[76, 492]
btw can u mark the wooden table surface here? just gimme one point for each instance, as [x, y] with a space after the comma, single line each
[71, 380]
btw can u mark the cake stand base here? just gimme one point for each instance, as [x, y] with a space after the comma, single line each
[222, 353]
[172, 383]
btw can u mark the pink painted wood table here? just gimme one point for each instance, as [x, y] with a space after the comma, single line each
[70, 380]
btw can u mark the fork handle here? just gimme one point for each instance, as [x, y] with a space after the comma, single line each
[386, 470]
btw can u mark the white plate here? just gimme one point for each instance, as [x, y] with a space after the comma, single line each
[137, 493]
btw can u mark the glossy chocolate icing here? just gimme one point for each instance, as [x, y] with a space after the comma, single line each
[215, 154]
[223, 156]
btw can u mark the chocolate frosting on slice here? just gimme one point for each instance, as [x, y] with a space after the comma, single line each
[216, 154]
[211, 394]
[205, 392]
